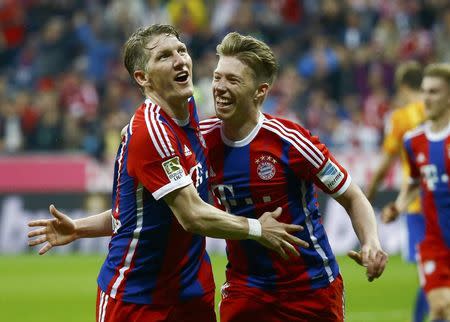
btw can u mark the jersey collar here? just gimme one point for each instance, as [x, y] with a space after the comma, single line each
[436, 136]
[245, 140]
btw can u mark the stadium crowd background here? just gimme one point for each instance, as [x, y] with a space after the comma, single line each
[63, 87]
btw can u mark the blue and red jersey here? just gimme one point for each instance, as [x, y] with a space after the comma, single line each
[151, 258]
[276, 165]
[429, 159]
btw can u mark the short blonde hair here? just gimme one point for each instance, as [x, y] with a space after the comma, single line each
[441, 70]
[252, 52]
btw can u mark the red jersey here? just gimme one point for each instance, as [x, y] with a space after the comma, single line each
[429, 160]
[276, 165]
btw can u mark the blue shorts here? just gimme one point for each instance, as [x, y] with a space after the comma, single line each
[415, 232]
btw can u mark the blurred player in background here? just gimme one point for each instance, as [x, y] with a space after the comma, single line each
[428, 152]
[157, 268]
[257, 162]
[408, 78]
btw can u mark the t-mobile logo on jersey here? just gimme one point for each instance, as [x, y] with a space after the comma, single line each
[198, 174]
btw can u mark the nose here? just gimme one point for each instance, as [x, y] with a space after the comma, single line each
[179, 60]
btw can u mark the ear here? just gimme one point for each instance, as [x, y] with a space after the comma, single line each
[142, 78]
[261, 92]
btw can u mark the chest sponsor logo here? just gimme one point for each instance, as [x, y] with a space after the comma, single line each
[331, 176]
[266, 167]
[173, 169]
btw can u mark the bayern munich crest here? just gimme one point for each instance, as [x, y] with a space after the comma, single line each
[266, 167]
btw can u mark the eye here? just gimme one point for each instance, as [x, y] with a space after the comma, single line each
[163, 56]
[182, 50]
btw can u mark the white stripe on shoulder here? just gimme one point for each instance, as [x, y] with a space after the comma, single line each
[166, 137]
[301, 137]
[151, 130]
[296, 142]
[414, 132]
[205, 124]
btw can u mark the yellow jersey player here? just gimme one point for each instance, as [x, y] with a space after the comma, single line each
[408, 79]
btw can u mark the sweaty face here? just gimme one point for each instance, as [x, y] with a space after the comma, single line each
[436, 96]
[169, 68]
[233, 89]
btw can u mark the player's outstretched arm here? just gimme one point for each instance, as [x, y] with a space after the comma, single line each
[408, 192]
[62, 230]
[198, 217]
[362, 216]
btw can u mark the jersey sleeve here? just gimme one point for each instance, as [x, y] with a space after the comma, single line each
[393, 132]
[312, 161]
[155, 159]
[414, 172]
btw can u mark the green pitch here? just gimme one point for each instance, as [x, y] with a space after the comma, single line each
[55, 288]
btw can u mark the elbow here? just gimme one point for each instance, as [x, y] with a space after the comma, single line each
[191, 224]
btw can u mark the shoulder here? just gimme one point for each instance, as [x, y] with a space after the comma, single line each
[149, 128]
[418, 131]
[285, 128]
[210, 125]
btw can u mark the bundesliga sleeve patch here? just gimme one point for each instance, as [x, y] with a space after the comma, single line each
[173, 169]
[330, 175]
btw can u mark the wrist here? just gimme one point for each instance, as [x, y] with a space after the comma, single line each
[254, 228]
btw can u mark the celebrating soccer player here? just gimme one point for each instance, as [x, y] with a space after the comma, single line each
[408, 78]
[157, 268]
[259, 162]
[428, 152]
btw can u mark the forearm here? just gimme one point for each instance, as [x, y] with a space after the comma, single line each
[94, 226]
[361, 214]
[378, 176]
[201, 218]
[408, 192]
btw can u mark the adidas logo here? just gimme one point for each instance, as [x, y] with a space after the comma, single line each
[187, 152]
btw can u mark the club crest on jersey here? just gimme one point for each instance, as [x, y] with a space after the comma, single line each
[266, 167]
[173, 169]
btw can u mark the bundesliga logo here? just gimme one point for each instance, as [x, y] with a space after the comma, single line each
[266, 167]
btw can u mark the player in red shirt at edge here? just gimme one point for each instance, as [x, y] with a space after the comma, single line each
[157, 268]
[428, 152]
[258, 162]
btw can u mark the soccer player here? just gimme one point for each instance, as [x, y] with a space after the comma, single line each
[408, 78]
[428, 152]
[157, 268]
[259, 161]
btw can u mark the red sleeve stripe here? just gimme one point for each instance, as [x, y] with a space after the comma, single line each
[154, 129]
[302, 144]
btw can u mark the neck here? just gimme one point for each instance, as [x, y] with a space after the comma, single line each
[175, 108]
[239, 129]
[441, 123]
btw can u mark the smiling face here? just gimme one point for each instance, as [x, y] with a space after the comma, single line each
[436, 96]
[168, 72]
[234, 89]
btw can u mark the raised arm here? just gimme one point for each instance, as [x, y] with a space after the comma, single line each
[62, 230]
[362, 216]
[201, 218]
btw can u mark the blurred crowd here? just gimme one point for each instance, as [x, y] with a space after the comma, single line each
[63, 86]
